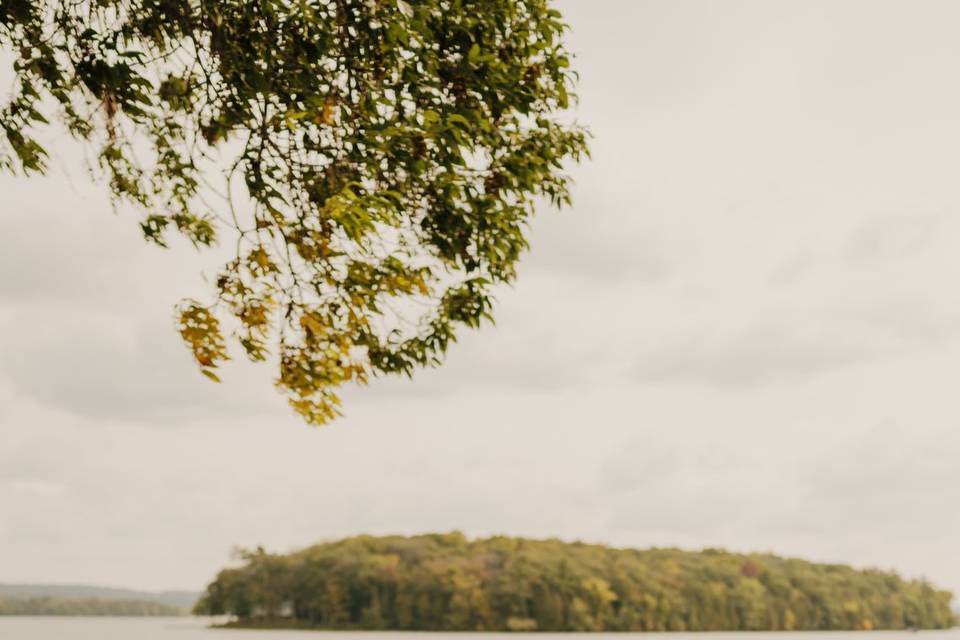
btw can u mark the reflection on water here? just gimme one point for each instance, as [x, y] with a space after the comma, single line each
[15, 628]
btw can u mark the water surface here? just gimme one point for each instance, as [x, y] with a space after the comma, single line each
[64, 628]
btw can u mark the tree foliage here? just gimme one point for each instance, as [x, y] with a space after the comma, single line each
[446, 582]
[382, 159]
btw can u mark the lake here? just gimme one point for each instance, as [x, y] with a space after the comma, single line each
[64, 628]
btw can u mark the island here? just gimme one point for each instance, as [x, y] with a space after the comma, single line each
[451, 583]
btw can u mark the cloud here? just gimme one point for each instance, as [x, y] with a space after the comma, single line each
[886, 238]
[600, 243]
[113, 366]
[794, 344]
[107, 370]
[888, 480]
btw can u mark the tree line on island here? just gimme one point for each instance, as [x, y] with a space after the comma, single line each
[60, 606]
[448, 582]
[89, 600]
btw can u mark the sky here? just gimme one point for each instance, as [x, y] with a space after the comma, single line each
[745, 333]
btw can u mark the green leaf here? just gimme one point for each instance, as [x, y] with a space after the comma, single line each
[387, 155]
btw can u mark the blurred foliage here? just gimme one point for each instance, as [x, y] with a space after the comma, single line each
[389, 154]
[57, 606]
[447, 582]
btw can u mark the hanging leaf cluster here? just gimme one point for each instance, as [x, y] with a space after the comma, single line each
[381, 159]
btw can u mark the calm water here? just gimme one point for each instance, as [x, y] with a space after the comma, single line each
[15, 628]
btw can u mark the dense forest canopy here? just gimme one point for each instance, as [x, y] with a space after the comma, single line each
[375, 162]
[447, 582]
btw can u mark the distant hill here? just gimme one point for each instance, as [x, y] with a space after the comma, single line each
[60, 606]
[86, 596]
[448, 582]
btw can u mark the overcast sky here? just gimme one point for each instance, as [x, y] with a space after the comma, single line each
[745, 333]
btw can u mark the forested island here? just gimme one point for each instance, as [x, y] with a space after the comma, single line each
[448, 582]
